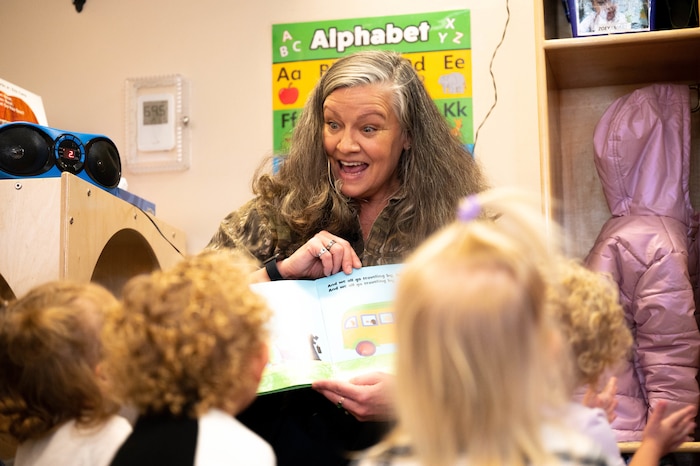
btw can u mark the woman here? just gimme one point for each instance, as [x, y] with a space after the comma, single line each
[372, 166]
[372, 170]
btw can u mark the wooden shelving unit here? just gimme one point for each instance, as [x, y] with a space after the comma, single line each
[578, 78]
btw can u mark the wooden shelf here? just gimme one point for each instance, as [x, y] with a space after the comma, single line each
[685, 447]
[633, 58]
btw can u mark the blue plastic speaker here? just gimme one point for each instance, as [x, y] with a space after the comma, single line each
[30, 150]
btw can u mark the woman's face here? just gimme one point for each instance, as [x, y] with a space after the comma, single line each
[364, 141]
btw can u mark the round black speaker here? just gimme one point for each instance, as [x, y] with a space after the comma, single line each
[102, 162]
[25, 150]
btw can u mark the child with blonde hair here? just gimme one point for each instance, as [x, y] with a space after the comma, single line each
[186, 349]
[478, 372]
[53, 400]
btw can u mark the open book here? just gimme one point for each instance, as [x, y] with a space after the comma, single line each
[332, 327]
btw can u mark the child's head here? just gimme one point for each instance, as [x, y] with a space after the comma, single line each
[189, 338]
[49, 353]
[592, 319]
[475, 344]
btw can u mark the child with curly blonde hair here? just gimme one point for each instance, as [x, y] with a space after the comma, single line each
[53, 400]
[587, 307]
[187, 349]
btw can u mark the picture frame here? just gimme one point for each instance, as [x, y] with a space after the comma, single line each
[602, 17]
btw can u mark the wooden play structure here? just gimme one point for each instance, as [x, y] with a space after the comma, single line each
[56, 228]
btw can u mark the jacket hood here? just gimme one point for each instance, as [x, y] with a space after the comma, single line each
[642, 152]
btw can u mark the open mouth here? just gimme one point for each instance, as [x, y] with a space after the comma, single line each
[352, 167]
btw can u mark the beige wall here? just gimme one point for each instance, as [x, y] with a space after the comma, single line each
[78, 63]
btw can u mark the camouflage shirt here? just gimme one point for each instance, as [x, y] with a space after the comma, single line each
[262, 232]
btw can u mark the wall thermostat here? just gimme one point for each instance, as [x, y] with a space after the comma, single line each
[155, 129]
[157, 123]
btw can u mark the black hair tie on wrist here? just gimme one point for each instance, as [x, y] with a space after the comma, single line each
[272, 270]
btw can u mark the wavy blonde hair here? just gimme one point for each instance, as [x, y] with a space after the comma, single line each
[588, 308]
[436, 162]
[183, 339]
[49, 352]
[476, 367]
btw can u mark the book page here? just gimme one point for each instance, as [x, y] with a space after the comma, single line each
[333, 327]
[296, 330]
[358, 317]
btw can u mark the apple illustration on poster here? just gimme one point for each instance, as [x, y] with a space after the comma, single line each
[288, 95]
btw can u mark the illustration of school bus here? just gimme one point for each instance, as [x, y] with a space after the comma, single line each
[368, 326]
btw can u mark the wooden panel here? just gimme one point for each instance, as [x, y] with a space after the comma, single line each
[583, 208]
[94, 217]
[31, 232]
[54, 228]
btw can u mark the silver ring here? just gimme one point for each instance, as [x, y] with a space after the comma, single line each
[339, 405]
[330, 244]
[321, 252]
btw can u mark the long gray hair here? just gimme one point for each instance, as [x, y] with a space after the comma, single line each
[434, 173]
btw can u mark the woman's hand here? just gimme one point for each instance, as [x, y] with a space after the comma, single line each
[321, 256]
[367, 397]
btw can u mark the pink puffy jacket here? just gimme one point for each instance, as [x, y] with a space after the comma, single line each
[642, 154]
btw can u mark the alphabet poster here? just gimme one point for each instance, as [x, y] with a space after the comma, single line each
[437, 44]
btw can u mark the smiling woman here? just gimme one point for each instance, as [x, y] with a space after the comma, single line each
[364, 142]
[373, 170]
